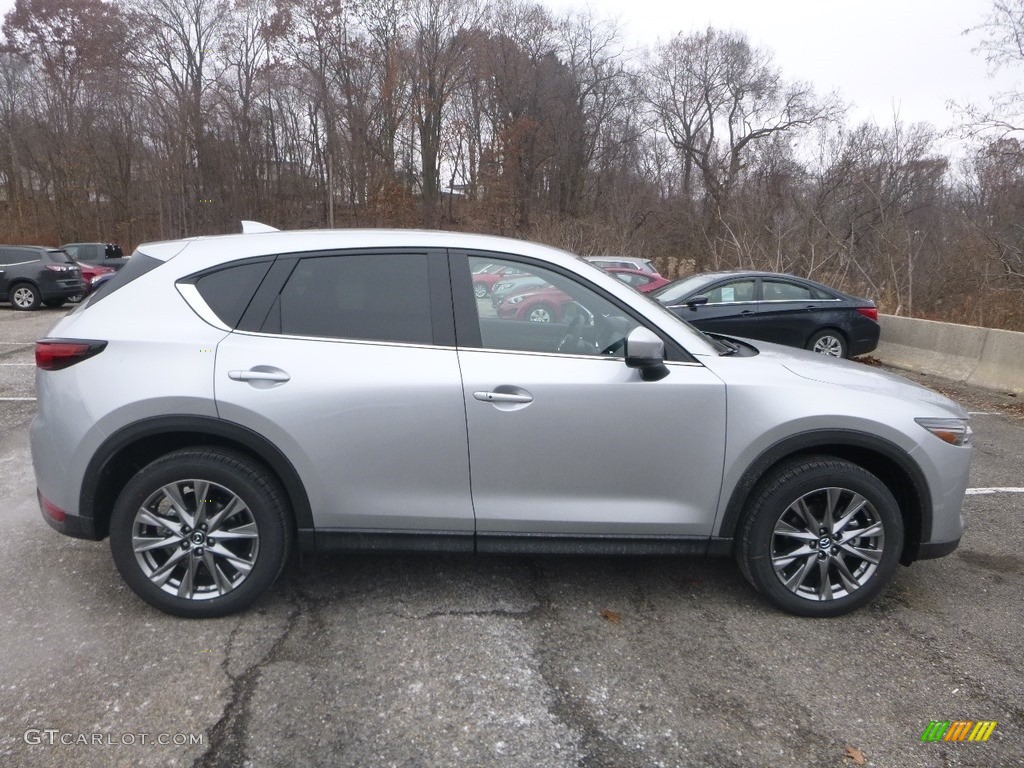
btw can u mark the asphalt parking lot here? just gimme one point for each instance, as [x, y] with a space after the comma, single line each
[386, 660]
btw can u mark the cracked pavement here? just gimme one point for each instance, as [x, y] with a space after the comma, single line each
[400, 660]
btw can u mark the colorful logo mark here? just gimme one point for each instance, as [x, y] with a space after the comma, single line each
[958, 730]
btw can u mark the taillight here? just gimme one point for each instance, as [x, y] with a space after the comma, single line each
[871, 313]
[56, 354]
[61, 268]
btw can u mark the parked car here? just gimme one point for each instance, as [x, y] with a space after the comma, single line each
[298, 404]
[505, 288]
[101, 254]
[644, 282]
[623, 262]
[545, 304]
[774, 307]
[486, 279]
[31, 276]
[91, 276]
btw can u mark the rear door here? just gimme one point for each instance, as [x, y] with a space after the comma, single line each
[790, 311]
[346, 361]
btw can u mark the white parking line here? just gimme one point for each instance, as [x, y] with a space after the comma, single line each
[984, 413]
[16, 399]
[989, 491]
[25, 364]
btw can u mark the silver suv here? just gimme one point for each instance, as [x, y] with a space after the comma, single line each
[226, 399]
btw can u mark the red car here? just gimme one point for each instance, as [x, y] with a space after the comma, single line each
[541, 305]
[90, 274]
[642, 281]
[485, 279]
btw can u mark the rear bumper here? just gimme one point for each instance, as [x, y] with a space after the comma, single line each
[70, 525]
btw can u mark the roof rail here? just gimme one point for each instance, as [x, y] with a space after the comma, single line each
[252, 227]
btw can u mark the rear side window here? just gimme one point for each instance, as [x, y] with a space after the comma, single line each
[14, 256]
[137, 266]
[58, 257]
[373, 297]
[228, 291]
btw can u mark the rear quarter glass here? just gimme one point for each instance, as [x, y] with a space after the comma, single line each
[137, 266]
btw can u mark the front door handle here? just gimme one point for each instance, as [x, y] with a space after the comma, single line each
[258, 376]
[502, 397]
[746, 312]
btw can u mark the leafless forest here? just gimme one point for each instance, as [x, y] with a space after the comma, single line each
[136, 120]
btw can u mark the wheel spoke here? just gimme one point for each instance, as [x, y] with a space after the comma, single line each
[247, 531]
[804, 511]
[163, 573]
[782, 528]
[145, 517]
[873, 556]
[797, 579]
[187, 586]
[849, 581]
[229, 510]
[824, 582]
[201, 489]
[240, 563]
[784, 561]
[857, 503]
[872, 531]
[832, 496]
[222, 582]
[147, 543]
[172, 492]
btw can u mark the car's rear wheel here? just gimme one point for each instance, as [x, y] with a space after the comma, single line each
[822, 537]
[479, 290]
[200, 533]
[25, 296]
[829, 342]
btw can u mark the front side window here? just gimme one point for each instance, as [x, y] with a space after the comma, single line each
[373, 297]
[545, 311]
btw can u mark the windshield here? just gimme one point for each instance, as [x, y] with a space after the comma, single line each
[673, 292]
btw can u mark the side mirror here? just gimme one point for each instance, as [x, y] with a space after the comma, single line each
[696, 301]
[646, 352]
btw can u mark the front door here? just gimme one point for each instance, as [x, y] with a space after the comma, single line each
[563, 437]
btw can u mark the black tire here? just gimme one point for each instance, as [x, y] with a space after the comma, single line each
[831, 342]
[25, 297]
[825, 578]
[257, 535]
[54, 303]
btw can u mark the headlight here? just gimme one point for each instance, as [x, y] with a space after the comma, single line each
[501, 287]
[514, 299]
[952, 431]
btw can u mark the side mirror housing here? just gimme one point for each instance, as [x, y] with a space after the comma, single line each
[645, 351]
[696, 301]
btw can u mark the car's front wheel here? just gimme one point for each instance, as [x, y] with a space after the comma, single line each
[479, 290]
[200, 532]
[822, 537]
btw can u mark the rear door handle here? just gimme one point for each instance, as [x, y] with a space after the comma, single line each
[746, 312]
[502, 397]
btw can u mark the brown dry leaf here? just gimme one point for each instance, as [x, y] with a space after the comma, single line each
[855, 754]
[611, 616]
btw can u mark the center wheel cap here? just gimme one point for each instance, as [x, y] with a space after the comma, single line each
[825, 542]
[198, 537]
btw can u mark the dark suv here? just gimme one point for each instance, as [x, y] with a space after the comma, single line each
[34, 275]
[100, 254]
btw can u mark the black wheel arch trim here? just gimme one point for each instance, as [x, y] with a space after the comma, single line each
[197, 428]
[844, 444]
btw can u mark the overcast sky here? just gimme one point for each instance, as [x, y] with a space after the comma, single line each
[881, 55]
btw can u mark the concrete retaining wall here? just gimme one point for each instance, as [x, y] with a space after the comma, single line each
[983, 357]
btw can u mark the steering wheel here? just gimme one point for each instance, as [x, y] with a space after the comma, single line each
[573, 334]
